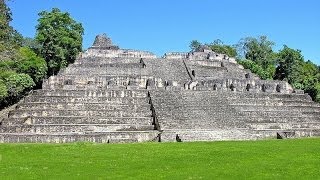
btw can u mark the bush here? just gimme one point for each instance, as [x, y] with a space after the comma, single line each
[3, 91]
[16, 83]
[29, 63]
[6, 65]
[257, 69]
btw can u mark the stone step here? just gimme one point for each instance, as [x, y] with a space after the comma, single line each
[105, 137]
[284, 102]
[83, 106]
[269, 113]
[238, 95]
[21, 113]
[230, 134]
[277, 125]
[67, 99]
[279, 119]
[78, 120]
[184, 135]
[296, 132]
[92, 93]
[275, 108]
[59, 128]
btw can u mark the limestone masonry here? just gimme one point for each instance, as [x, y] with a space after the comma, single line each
[120, 95]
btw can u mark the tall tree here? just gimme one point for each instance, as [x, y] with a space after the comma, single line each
[10, 39]
[258, 56]
[290, 65]
[60, 37]
[258, 50]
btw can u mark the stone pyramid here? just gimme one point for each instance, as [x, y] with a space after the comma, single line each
[120, 95]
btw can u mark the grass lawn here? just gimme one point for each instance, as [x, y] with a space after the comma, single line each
[267, 159]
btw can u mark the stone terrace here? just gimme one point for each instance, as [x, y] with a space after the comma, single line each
[114, 95]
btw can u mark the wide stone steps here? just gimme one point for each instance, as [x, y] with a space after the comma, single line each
[20, 113]
[276, 108]
[278, 118]
[93, 93]
[206, 135]
[106, 71]
[240, 95]
[284, 102]
[83, 106]
[79, 120]
[198, 110]
[240, 107]
[78, 99]
[58, 128]
[199, 125]
[104, 137]
[287, 125]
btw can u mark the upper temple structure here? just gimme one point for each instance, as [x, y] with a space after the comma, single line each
[112, 95]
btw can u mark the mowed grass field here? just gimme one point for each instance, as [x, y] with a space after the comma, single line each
[266, 159]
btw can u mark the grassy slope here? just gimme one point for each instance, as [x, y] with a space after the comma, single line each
[271, 159]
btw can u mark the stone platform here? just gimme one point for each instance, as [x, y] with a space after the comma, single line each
[113, 95]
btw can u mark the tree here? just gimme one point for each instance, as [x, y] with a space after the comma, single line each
[5, 18]
[16, 83]
[10, 39]
[32, 44]
[258, 50]
[289, 65]
[3, 91]
[29, 63]
[258, 56]
[257, 69]
[60, 37]
[219, 47]
[194, 45]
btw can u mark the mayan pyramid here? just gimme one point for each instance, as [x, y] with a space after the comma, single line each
[121, 95]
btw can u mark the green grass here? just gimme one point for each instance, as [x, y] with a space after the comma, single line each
[268, 159]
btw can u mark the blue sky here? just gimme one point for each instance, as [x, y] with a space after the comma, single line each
[170, 25]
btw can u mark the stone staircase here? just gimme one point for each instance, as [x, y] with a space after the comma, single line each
[112, 95]
[98, 116]
[96, 99]
[227, 115]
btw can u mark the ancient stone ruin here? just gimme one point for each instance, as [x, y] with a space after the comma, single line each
[120, 95]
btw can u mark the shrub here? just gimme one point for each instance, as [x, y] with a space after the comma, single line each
[29, 63]
[3, 91]
[16, 83]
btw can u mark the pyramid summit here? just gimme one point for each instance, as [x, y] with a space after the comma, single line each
[103, 42]
[112, 95]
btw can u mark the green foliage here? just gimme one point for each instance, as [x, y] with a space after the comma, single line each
[60, 37]
[219, 47]
[290, 65]
[258, 50]
[10, 39]
[16, 83]
[5, 18]
[31, 64]
[268, 159]
[7, 65]
[258, 69]
[3, 91]
[32, 44]
[194, 45]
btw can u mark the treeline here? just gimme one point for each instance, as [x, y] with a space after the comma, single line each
[25, 62]
[258, 55]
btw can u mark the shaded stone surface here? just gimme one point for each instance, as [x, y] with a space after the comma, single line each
[112, 95]
[103, 42]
